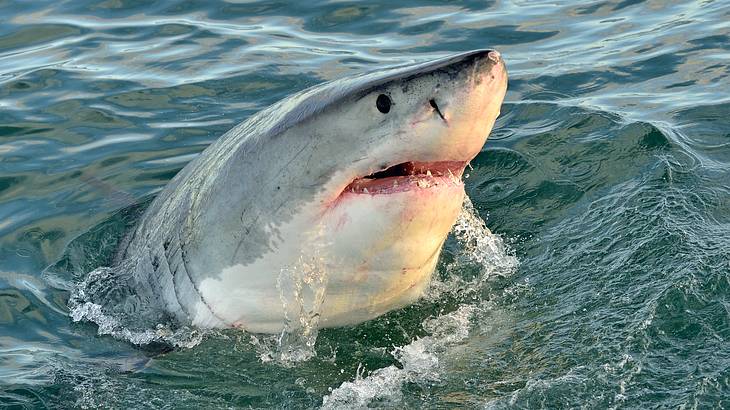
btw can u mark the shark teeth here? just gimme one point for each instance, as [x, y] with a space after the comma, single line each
[424, 180]
[454, 178]
[409, 176]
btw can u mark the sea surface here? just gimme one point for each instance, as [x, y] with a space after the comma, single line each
[605, 280]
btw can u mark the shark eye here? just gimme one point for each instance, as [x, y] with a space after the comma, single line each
[383, 103]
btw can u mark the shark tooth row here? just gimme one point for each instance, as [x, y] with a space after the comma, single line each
[422, 181]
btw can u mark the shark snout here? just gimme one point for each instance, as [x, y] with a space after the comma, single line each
[488, 67]
[475, 81]
[465, 103]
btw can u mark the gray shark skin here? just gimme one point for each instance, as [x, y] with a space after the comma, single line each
[328, 174]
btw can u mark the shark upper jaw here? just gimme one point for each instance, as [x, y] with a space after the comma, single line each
[408, 176]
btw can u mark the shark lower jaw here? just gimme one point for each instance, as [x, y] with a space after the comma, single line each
[411, 176]
[387, 240]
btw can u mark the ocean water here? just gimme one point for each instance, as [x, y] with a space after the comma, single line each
[605, 279]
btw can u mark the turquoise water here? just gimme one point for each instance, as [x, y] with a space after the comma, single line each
[606, 182]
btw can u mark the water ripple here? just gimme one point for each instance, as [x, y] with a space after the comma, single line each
[607, 172]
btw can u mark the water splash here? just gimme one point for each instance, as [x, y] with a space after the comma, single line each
[479, 252]
[419, 360]
[106, 281]
[302, 289]
[479, 246]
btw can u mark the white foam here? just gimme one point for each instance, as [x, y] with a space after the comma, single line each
[419, 360]
[107, 325]
[82, 309]
[479, 250]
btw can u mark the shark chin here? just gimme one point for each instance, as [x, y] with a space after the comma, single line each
[334, 202]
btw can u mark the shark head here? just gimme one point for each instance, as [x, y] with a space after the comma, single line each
[360, 178]
[387, 215]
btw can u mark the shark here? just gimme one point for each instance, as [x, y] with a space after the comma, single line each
[353, 184]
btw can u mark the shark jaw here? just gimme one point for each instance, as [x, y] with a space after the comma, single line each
[408, 176]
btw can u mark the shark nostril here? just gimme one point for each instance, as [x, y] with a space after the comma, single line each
[436, 107]
[494, 56]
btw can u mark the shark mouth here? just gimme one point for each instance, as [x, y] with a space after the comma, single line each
[409, 176]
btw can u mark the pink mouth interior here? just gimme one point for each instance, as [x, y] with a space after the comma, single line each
[409, 176]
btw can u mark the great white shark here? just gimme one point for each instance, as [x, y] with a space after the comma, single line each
[359, 177]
